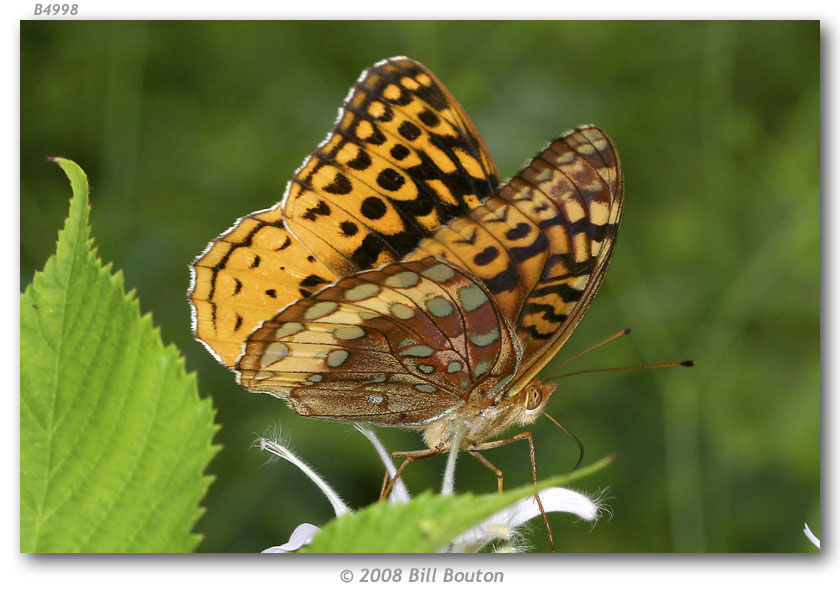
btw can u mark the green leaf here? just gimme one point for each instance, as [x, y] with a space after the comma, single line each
[114, 438]
[425, 524]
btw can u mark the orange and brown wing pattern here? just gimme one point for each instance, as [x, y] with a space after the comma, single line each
[245, 276]
[402, 345]
[542, 243]
[402, 158]
[579, 174]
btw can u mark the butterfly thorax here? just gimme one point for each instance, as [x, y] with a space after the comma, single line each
[483, 420]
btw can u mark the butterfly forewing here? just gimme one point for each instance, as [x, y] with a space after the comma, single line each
[404, 344]
[586, 185]
[402, 158]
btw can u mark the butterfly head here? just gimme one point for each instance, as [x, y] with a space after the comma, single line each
[532, 400]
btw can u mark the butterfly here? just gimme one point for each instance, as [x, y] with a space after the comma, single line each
[399, 282]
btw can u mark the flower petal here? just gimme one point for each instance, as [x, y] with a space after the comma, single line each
[301, 536]
[502, 524]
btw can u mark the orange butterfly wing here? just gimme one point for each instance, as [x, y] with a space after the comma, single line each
[402, 158]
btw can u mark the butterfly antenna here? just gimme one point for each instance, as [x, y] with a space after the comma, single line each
[684, 363]
[571, 435]
[613, 337]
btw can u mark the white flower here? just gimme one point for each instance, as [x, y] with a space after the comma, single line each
[305, 532]
[500, 526]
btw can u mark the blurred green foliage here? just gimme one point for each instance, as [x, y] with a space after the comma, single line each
[183, 127]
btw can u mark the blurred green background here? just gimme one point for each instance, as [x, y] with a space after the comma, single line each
[182, 127]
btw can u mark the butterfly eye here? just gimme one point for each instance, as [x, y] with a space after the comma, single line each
[534, 398]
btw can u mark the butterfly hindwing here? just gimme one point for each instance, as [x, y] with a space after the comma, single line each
[404, 344]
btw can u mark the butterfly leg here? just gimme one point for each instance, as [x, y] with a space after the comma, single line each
[499, 473]
[384, 483]
[410, 456]
[525, 435]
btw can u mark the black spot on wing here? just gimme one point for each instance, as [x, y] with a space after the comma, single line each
[369, 250]
[409, 131]
[504, 281]
[486, 256]
[429, 118]
[339, 185]
[320, 209]
[312, 280]
[373, 208]
[348, 228]
[399, 151]
[518, 232]
[361, 162]
[390, 180]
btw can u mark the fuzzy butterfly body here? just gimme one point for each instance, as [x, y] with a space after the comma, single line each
[397, 282]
